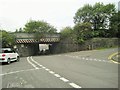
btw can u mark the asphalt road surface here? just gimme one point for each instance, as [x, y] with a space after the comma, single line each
[84, 69]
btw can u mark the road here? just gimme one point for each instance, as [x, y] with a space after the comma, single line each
[84, 69]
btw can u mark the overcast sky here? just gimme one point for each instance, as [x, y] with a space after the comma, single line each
[59, 13]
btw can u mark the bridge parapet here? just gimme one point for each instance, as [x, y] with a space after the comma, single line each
[30, 38]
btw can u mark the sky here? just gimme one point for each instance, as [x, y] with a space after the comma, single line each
[14, 14]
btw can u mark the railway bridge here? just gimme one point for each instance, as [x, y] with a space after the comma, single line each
[28, 44]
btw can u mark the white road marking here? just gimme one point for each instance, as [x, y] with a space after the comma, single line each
[104, 60]
[63, 79]
[58, 55]
[76, 56]
[18, 71]
[83, 58]
[51, 72]
[87, 59]
[90, 59]
[95, 59]
[47, 69]
[35, 61]
[43, 67]
[57, 75]
[74, 85]
[32, 63]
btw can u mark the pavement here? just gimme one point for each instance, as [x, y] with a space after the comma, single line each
[83, 69]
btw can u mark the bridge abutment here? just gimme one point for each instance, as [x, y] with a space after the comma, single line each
[27, 49]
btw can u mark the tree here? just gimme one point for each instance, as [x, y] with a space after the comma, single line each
[83, 31]
[114, 25]
[66, 32]
[8, 40]
[39, 27]
[98, 15]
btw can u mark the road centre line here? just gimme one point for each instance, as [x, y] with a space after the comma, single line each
[51, 72]
[32, 63]
[75, 85]
[90, 59]
[57, 75]
[43, 67]
[64, 79]
[47, 69]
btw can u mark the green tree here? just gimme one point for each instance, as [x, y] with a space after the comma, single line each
[39, 27]
[83, 31]
[114, 25]
[66, 32]
[98, 15]
[8, 40]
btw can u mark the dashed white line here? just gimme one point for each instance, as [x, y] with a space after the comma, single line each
[90, 59]
[47, 69]
[43, 67]
[83, 58]
[64, 79]
[76, 56]
[74, 85]
[57, 75]
[95, 59]
[51, 72]
[104, 60]
[87, 59]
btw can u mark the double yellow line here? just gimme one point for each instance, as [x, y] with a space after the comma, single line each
[111, 58]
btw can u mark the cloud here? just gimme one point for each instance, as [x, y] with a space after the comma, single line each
[59, 13]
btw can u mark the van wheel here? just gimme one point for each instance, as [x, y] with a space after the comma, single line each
[8, 61]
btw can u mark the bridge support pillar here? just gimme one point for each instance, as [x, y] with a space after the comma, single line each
[27, 49]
